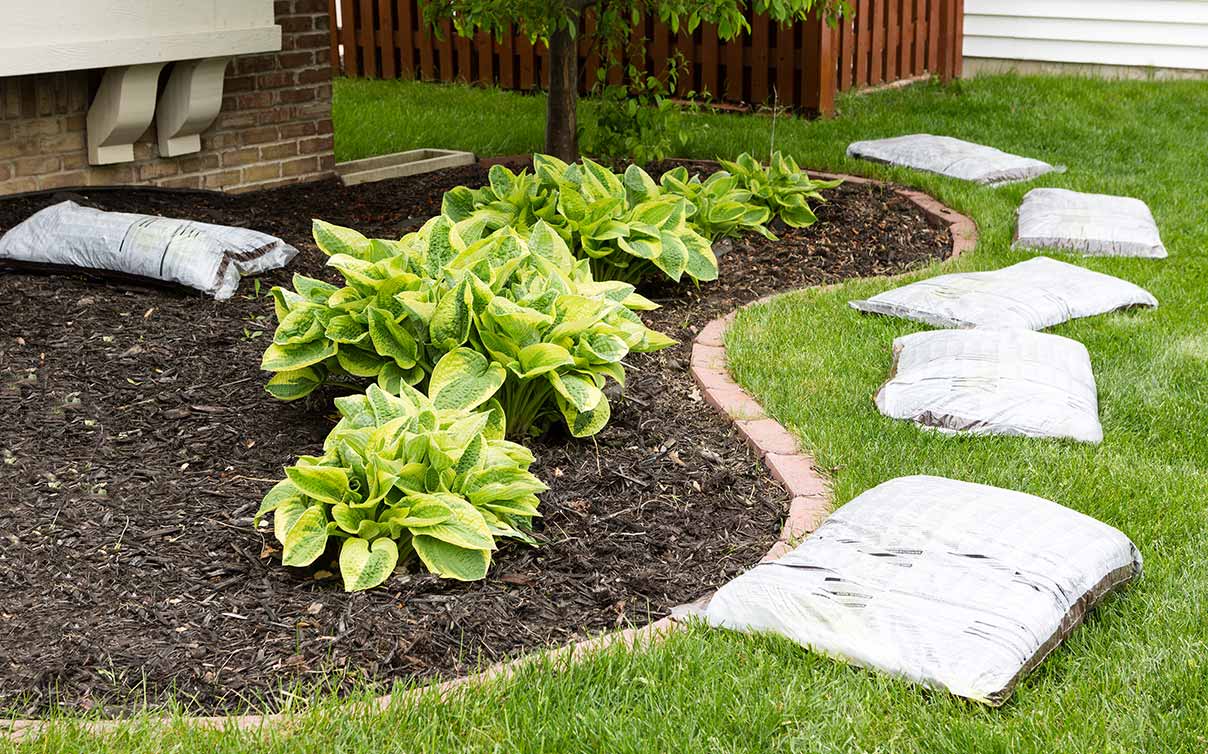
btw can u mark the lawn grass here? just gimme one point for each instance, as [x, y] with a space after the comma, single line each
[1135, 678]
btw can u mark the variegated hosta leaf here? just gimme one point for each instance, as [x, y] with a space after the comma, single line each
[464, 379]
[585, 423]
[451, 561]
[295, 383]
[323, 483]
[359, 362]
[306, 537]
[450, 324]
[278, 358]
[281, 493]
[390, 339]
[364, 565]
[333, 239]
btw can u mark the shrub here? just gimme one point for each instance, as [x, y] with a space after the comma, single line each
[782, 187]
[548, 335]
[626, 226]
[409, 474]
[638, 120]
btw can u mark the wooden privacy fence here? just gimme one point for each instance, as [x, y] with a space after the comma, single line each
[801, 65]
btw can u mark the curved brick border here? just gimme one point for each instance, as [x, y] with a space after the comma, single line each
[810, 496]
[777, 447]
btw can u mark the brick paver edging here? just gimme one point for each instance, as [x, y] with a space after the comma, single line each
[810, 496]
[776, 446]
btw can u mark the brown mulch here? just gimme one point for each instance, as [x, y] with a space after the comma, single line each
[138, 441]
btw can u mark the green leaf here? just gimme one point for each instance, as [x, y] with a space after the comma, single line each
[348, 518]
[294, 384]
[701, 262]
[579, 391]
[391, 340]
[364, 565]
[540, 358]
[344, 328]
[639, 185]
[301, 325]
[451, 561]
[458, 203]
[441, 246]
[286, 515]
[359, 362]
[333, 239]
[313, 290]
[306, 538]
[497, 482]
[584, 423]
[465, 526]
[281, 493]
[450, 325]
[328, 484]
[278, 358]
[426, 510]
[464, 379]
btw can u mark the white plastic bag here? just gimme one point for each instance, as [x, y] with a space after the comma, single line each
[993, 382]
[953, 585]
[1094, 224]
[951, 157]
[1035, 294]
[207, 257]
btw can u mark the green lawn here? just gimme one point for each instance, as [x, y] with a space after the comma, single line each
[1135, 678]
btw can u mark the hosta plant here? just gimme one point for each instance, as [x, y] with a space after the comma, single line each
[782, 187]
[410, 474]
[550, 335]
[722, 208]
[626, 226]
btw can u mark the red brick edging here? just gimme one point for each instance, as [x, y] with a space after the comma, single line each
[775, 446]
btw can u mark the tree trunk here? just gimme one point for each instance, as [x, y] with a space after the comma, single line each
[561, 124]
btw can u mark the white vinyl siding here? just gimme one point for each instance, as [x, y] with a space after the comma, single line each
[1152, 33]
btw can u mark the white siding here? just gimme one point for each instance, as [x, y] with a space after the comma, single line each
[1155, 33]
[41, 36]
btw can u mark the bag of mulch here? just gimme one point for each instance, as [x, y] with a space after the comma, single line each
[951, 157]
[1035, 294]
[207, 257]
[1093, 224]
[993, 382]
[949, 584]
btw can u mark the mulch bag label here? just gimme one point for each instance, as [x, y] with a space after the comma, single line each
[993, 382]
[1093, 224]
[953, 585]
[207, 257]
[951, 157]
[1035, 294]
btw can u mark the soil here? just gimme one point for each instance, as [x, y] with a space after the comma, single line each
[138, 441]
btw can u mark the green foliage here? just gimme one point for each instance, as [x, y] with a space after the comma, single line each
[637, 121]
[782, 187]
[409, 474]
[504, 315]
[615, 19]
[723, 209]
[625, 225]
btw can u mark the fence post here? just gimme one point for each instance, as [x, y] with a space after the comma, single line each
[819, 66]
[952, 13]
[958, 38]
[335, 37]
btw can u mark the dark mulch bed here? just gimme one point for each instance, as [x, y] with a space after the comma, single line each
[138, 441]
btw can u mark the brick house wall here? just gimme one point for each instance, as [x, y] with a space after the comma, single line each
[274, 127]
